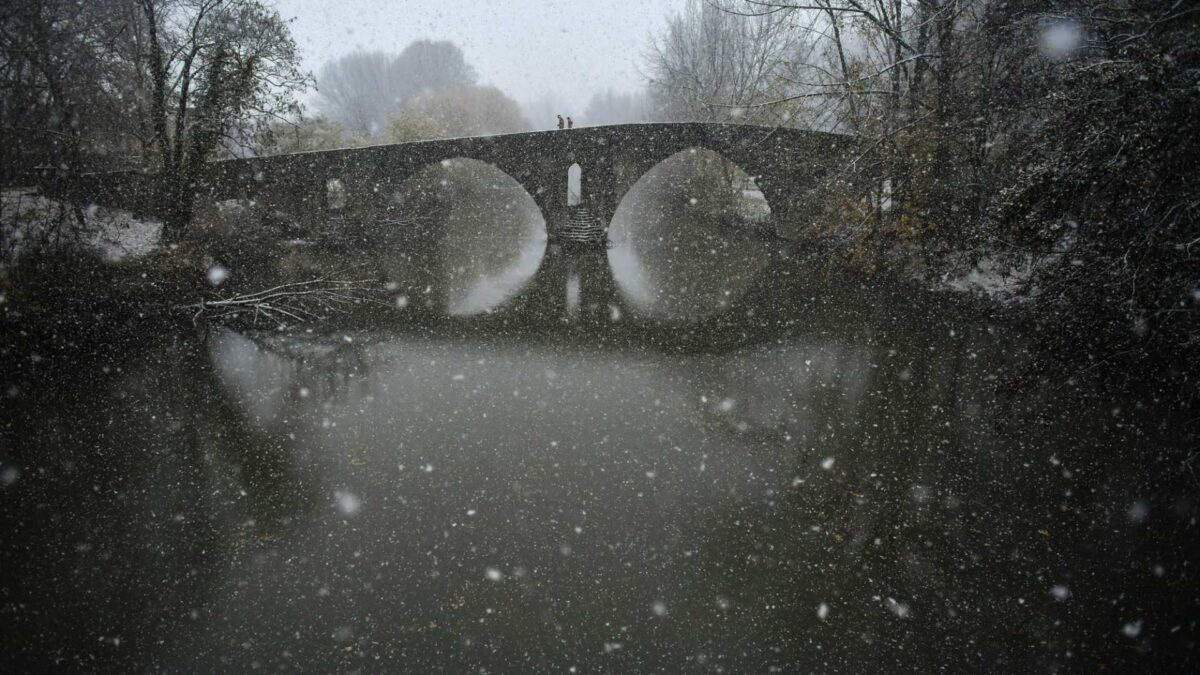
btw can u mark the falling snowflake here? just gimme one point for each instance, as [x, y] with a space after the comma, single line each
[217, 274]
[898, 608]
[347, 502]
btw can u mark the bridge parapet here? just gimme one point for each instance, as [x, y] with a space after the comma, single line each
[338, 186]
[786, 164]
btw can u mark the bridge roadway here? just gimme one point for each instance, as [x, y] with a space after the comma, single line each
[790, 166]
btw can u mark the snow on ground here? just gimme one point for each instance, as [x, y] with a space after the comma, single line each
[991, 277]
[28, 219]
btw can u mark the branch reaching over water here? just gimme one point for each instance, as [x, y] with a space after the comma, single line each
[297, 302]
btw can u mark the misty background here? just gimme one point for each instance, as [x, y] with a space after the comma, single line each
[1039, 150]
[551, 57]
[416, 70]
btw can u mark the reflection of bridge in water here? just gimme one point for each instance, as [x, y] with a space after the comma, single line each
[787, 165]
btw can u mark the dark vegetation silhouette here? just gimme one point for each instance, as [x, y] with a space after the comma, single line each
[1049, 138]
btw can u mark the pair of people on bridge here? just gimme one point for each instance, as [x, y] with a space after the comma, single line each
[570, 122]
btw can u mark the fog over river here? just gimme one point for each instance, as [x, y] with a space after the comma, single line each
[862, 497]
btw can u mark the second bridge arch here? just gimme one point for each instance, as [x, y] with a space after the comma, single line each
[690, 236]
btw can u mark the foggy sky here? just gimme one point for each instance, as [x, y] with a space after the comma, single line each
[568, 49]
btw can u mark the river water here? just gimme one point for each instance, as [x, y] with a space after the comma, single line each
[867, 497]
[834, 477]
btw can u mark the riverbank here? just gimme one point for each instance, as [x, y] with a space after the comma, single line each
[70, 294]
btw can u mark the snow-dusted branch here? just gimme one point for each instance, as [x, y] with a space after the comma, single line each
[298, 302]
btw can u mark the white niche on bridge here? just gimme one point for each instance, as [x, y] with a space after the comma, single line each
[335, 194]
[574, 185]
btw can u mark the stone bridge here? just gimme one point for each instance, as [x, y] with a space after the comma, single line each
[788, 165]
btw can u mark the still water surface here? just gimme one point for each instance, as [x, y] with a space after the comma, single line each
[864, 498]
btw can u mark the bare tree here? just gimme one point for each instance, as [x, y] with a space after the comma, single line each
[361, 90]
[218, 72]
[53, 56]
[357, 91]
[161, 84]
[609, 107]
[427, 65]
[303, 135]
[463, 111]
[919, 83]
[989, 127]
[713, 63]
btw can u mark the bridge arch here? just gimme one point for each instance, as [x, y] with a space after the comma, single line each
[473, 234]
[689, 239]
[710, 154]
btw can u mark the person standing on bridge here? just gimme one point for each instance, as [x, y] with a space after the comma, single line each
[570, 122]
[560, 122]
